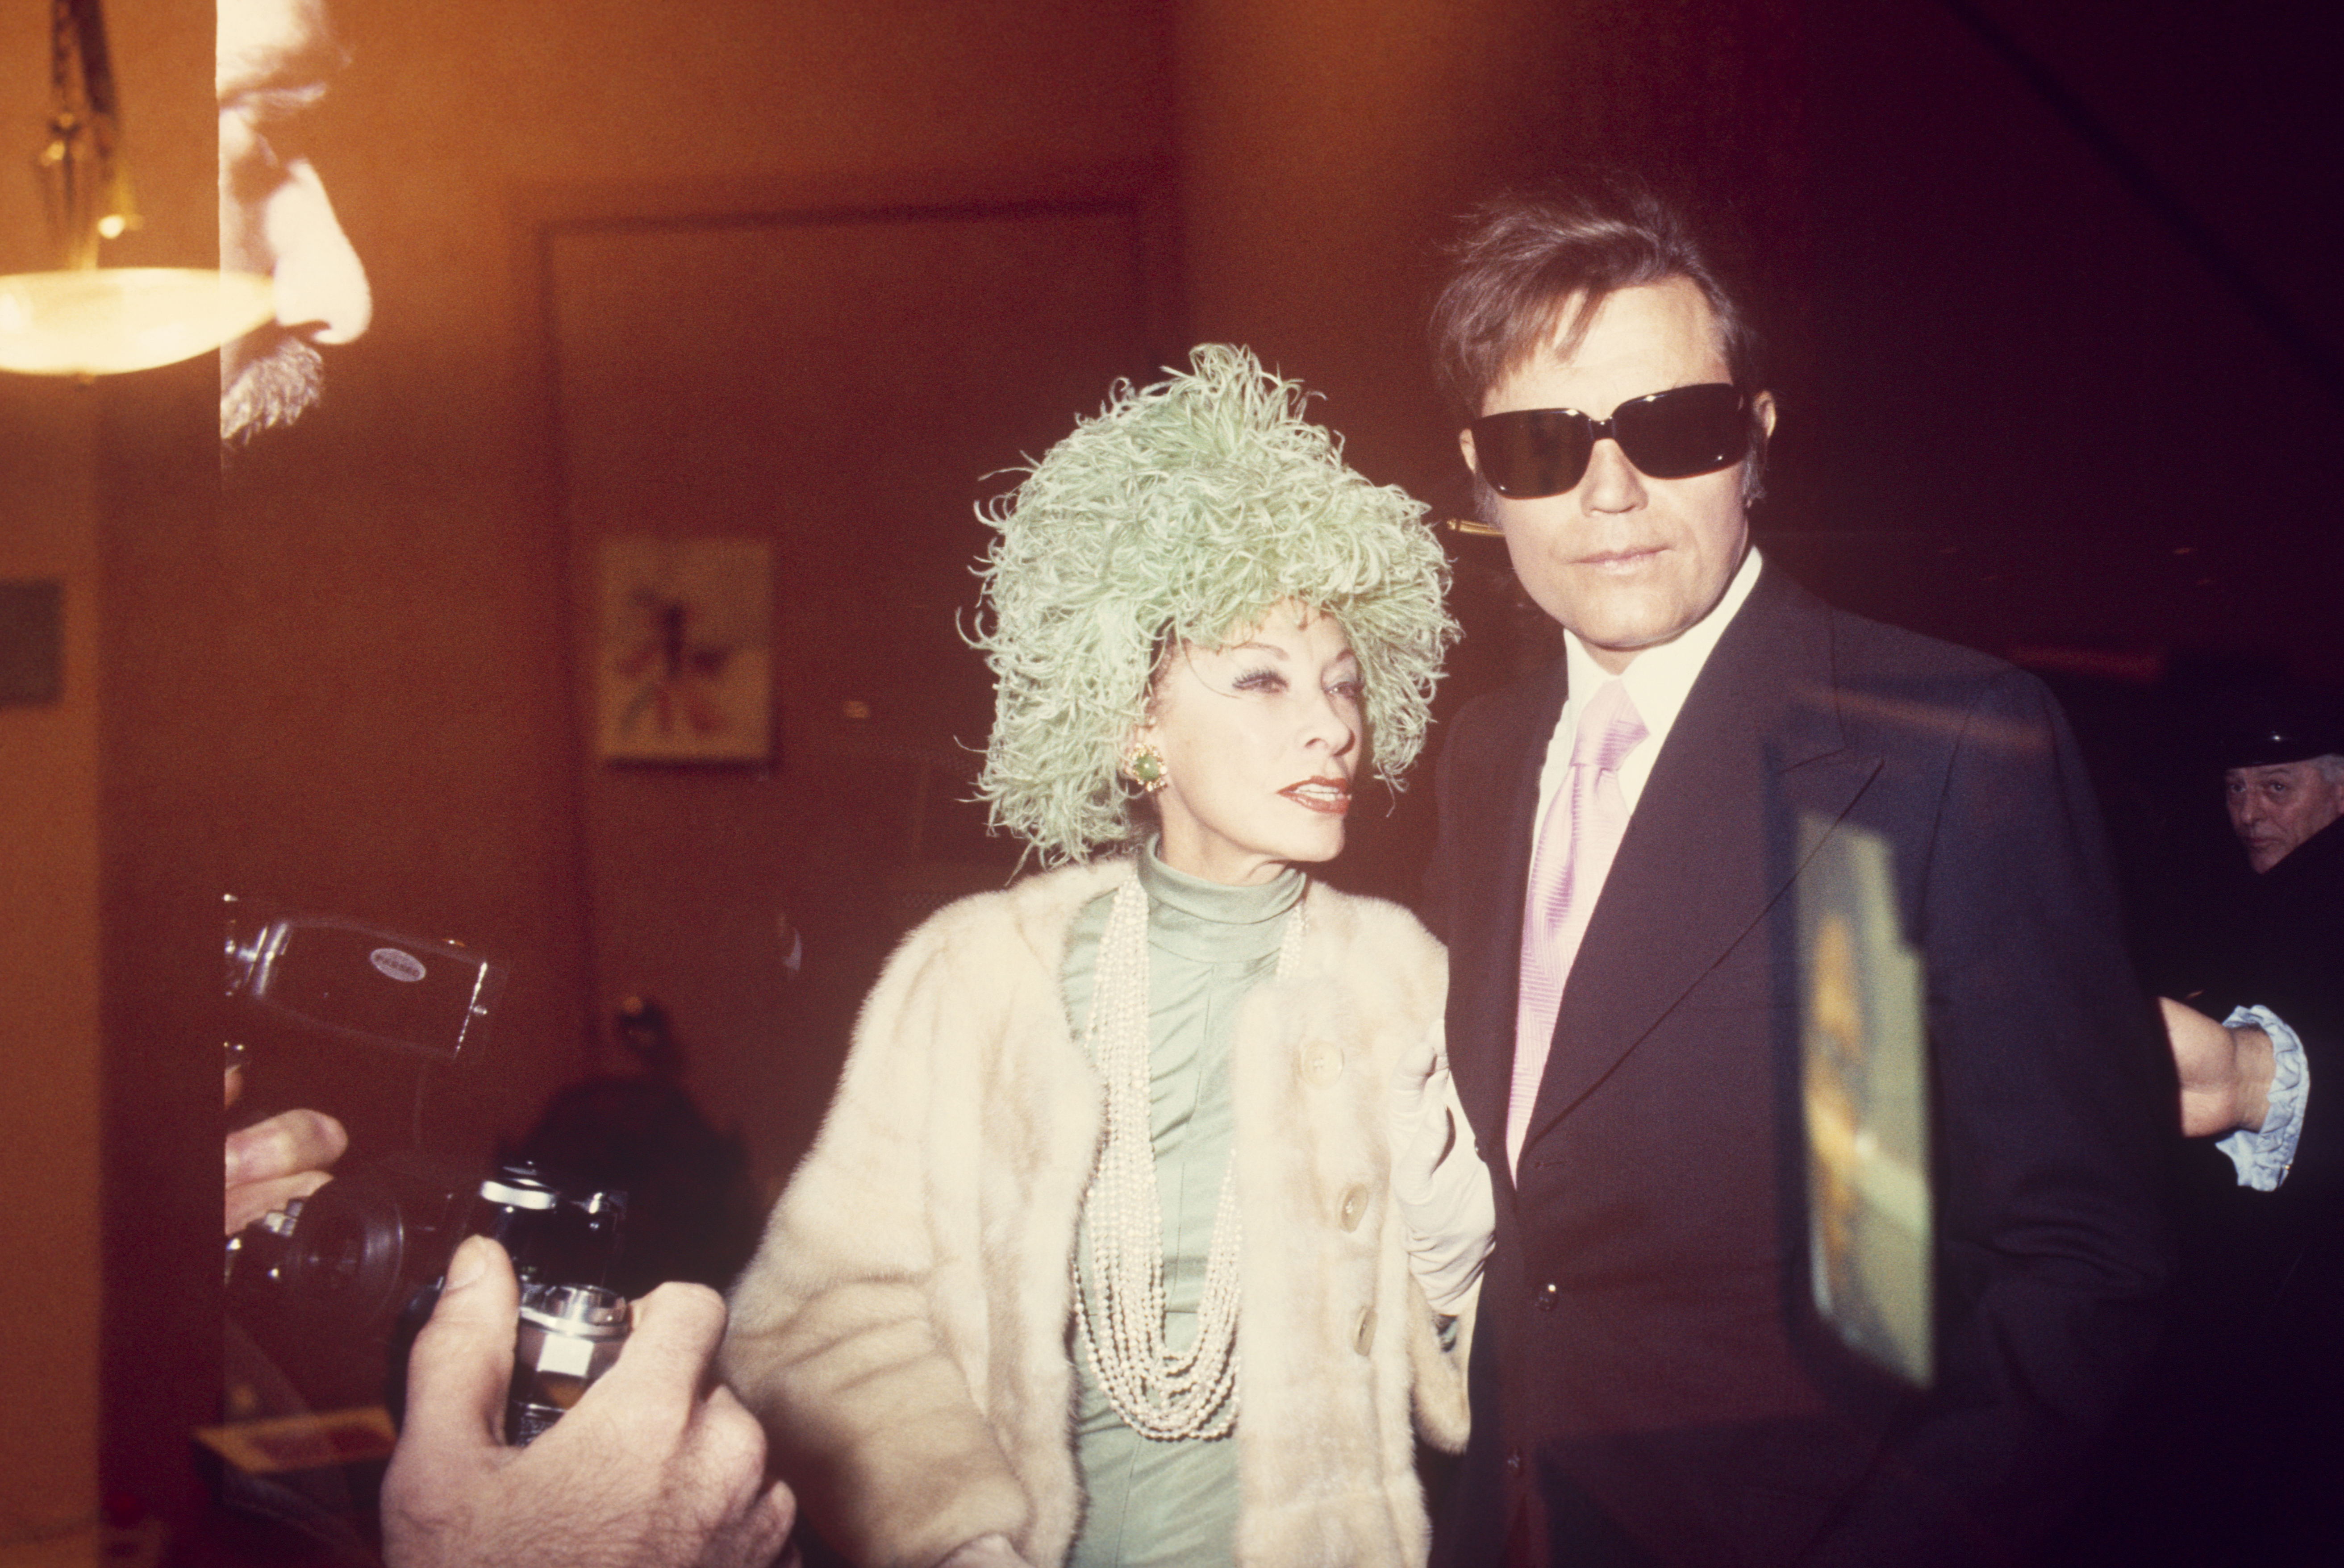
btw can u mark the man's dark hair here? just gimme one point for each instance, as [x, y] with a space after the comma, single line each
[1527, 256]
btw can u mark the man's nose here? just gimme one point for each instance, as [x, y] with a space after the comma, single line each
[321, 284]
[1611, 483]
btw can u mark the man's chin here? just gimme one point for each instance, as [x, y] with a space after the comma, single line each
[271, 391]
[1606, 632]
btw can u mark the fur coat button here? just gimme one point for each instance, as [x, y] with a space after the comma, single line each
[1355, 1206]
[1365, 1338]
[1322, 1063]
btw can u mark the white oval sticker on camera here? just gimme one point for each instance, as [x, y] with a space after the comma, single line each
[398, 965]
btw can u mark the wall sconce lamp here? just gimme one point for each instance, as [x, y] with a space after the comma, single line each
[84, 319]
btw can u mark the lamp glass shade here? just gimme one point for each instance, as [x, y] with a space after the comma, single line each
[101, 320]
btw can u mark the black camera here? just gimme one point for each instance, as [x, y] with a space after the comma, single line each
[345, 979]
[332, 1289]
[335, 1285]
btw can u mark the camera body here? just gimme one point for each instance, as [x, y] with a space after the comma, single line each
[335, 1286]
[332, 1289]
[346, 980]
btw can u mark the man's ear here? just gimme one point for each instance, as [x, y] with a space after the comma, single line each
[1764, 404]
[1465, 445]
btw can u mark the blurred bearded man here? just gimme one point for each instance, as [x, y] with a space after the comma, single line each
[274, 60]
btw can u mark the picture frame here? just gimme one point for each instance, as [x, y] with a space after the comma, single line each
[683, 668]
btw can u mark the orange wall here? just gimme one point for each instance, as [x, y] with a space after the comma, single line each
[52, 769]
[48, 971]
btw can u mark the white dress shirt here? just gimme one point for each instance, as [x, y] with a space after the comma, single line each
[1659, 679]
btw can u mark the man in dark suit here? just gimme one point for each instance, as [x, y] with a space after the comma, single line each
[1651, 1381]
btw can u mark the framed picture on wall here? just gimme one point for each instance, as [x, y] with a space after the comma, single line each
[684, 669]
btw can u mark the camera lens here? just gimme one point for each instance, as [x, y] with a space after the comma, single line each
[568, 1336]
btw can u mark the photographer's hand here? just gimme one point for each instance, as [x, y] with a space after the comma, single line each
[647, 1471]
[272, 1162]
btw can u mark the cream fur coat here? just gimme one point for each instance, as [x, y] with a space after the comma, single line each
[904, 1329]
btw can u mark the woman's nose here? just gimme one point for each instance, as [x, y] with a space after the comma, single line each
[1334, 721]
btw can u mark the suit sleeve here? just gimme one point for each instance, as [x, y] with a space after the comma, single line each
[834, 1342]
[2051, 1088]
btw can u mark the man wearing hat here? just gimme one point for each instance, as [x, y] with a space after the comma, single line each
[2254, 1367]
[2272, 965]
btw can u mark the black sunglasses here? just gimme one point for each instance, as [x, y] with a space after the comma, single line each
[1671, 435]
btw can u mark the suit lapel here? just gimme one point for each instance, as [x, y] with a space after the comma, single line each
[1714, 840]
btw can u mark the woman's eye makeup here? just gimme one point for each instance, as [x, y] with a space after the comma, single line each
[1268, 679]
[1349, 687]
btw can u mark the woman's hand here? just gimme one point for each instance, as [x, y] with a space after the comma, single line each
[1438, 1180]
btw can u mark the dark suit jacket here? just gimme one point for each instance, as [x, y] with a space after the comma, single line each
[1650, 1381]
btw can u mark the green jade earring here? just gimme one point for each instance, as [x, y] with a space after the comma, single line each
[1145, 768]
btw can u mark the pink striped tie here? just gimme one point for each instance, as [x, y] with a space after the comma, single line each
[1582, 833]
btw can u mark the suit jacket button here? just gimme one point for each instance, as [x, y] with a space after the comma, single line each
[1514, 1462]
[1322, 1063]
[1547, 1295]
[1366, 1337]
[1355, 1207]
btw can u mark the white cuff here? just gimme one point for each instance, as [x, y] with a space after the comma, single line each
[2262, 1158]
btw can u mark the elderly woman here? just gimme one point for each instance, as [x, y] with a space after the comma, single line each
[1140, 1230]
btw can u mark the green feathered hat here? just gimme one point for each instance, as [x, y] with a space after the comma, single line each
[1182, 513]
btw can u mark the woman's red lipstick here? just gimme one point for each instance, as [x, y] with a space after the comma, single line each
[1331, 796]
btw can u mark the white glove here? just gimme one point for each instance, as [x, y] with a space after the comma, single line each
[1438, 1181]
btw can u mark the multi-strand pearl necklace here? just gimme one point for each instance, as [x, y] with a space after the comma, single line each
[1158, 1393]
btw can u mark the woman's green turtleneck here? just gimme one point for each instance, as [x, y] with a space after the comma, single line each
[1151, 1503]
